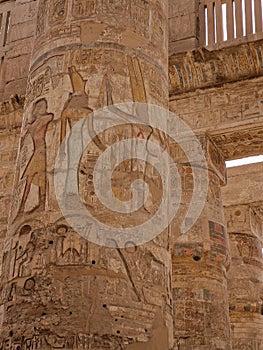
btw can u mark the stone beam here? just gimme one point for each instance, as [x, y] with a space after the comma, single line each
[202, 68]
[220, 92]
[244, 185]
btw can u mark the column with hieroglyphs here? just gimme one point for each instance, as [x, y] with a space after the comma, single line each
[200, 257]
[60, 290]
[245, 276]
[242, 198]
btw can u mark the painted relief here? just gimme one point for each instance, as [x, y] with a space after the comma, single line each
[136, 80]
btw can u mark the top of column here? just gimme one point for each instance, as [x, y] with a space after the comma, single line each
[134, 25]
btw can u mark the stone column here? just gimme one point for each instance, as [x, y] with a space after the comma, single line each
[199, 262]
[61, 291]
[245, 276]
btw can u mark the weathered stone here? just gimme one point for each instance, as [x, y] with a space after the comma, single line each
[199, 290]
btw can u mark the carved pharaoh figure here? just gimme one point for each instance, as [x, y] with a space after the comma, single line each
[32, 162]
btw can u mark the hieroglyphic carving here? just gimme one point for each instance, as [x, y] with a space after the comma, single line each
[80, 341]
[140, 17]
[202, 67]
[217, 161]
[42, 8]
[114, 6]
[157, 84]
[239, 143]
[69, 247]
[42, 84]
[23, 259]
[57, 11]
[158, 25]
[249, 247]
[83, 8]
[214, 200]
[247, 344]
[218, 238]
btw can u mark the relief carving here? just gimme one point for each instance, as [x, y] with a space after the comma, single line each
[249, 247]
[77, 106]
[42, 8]
[32, 161]
[84, 8]
[140, 17]
[23, 259]
[58, 11]
[70, 247]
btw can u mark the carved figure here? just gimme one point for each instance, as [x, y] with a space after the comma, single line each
[35, 170]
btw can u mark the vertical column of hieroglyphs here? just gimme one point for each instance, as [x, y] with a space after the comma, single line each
[61, 291]
[199, 261]
[15, 50]
[245, 276]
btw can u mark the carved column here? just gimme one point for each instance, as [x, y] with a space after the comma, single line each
[245, 276]
[199, 262]
[61, 291]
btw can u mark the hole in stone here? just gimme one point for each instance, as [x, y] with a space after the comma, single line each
[70, 312]
[51, 242]
[146, 330]
[247, 308]
[93, 262]
[196, 258]
[11, 333]
[25, 230]
[116, 320]
[43, 314]
[118, 332]
[104, 305]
